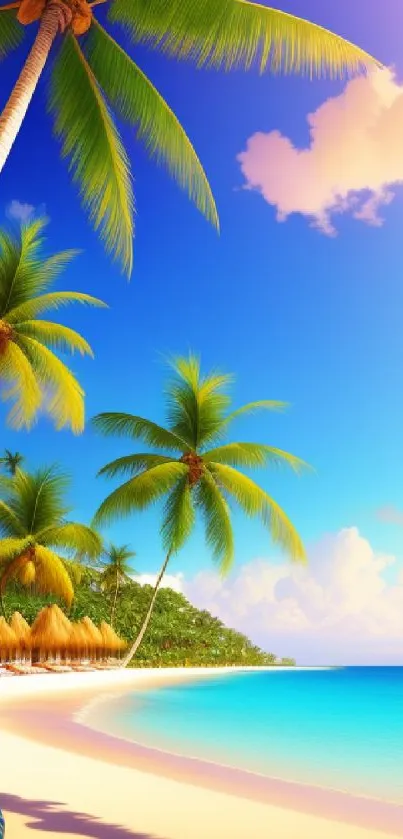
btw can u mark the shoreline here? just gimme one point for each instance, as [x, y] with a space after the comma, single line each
[54, 720]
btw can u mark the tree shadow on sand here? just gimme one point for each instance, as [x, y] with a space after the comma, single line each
[47, 817]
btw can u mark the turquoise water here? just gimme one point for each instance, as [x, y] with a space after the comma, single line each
[340, 728]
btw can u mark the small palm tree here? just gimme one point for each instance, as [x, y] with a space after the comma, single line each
[93, 77]
[117, 571]
[11, 462]
[35, 533]
[36, 377]
[191, 474]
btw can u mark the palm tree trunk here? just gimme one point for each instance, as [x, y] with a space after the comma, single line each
[133, 649]
[114, 601]
[55, 18]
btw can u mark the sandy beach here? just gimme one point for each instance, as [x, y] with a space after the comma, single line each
[61, 778]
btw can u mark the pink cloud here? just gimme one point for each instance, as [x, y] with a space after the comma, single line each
[354, 157]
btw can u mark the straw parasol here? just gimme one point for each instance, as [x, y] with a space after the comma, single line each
[112, 642]
[22, 630]
[23, 633]
[95, 640]
[50, 632]
[80, 642]
[8, 640]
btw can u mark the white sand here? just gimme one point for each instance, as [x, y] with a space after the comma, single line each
[88, 797]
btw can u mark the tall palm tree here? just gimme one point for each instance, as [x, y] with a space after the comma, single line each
[36, 535]
[11, 462]
[93, 80]
[36, 377]
[196, 472]
[117, 570]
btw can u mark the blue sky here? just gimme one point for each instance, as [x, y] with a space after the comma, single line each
[296, 315]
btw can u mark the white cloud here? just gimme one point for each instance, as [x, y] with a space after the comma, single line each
[353, 157]
[340, 609]
[174, 581]
[19, 211]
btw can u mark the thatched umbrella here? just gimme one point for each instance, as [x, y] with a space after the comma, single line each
[50, 633]
[112, 642]
[80, 642]
[95, 639]
[8, 641]
[23, 632]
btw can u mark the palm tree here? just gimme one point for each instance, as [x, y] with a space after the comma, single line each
[94, 76]
[191, 474]
[36, 533]
[37, 378]
[11, 462]
[117, 570]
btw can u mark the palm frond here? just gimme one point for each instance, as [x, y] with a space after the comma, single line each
[23, 387]
[11, 568]
[196, 404]
[228, 33]
[51, 575]
[257, 503]
[137, 101]
[132, 464]
[216, 513]
[55, 336]
[250, 455]
[72, 536]
[11, 32]
[179, 516]
[253, 407]
[37, 499]
[139, 492]
[64, 396]
[138, 428]
[21, 273]
[10, 526]
[91, 143]
[10, 548]
[48, 302]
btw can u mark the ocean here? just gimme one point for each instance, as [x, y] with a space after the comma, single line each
[335, 728]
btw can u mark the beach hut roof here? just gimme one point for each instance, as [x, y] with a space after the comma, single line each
[21, 629]
[49, 630]
[79, 637]
[8, 638]
[110, 638]
[93, 634]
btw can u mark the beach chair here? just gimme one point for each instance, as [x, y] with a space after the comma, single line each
[2, 826]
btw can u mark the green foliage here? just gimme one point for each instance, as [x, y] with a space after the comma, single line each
[35, 377]
[34, 529]
[178, 634]
[11, 33]
[228, 33]
[91, 143]
[137, 102]
[202, 479]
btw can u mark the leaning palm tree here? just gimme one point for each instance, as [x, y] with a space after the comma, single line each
[196, 472]
[36, 538]
[94, 78]
[35, 378]
[116, 572]
[11, 461]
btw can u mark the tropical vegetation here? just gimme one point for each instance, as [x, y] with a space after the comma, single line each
[38, 542]
[32, 376]
[195, 471]
[94, 82]
[11, 461]
[179, 634]
[117, 571]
